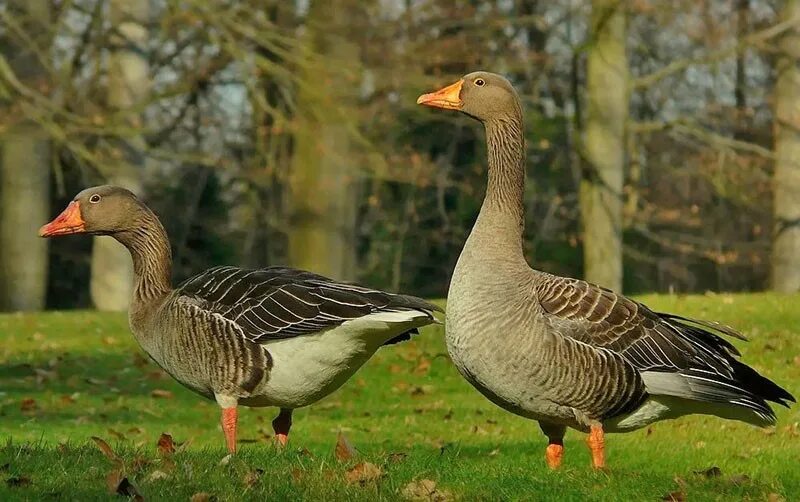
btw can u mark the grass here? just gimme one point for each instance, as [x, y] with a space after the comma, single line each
[65, 377]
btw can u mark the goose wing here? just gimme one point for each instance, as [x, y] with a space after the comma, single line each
[280, 302]
[678, 356]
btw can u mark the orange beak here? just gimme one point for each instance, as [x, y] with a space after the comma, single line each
[66, 223]
[448, 97]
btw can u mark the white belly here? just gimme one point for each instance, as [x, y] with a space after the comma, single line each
[307, 368]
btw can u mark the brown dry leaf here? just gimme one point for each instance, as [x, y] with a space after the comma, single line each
[425, 489]
[711, 472]
[203, 497]
[28, 405]
[113, 479]
[775, 497]
[363, 473]
[161, 393]
[396, 368]
[252, 477]
[106, 449]
[166, 446]
[676, 496]
[18, 481]
[423, 366]
[344, 450]
[68, 399]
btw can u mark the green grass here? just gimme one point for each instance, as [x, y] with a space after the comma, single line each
[65, 377]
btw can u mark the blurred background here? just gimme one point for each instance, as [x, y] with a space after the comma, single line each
[662, 138]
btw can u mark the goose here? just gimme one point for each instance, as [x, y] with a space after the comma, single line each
[275, 336]
[562, 351]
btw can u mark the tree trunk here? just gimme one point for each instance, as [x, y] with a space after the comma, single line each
[604, 145]
[128, 82]
[24, 177]
[323, 180]
[786, 237]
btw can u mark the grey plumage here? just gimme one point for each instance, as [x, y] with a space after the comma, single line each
[562, 351]
[268, 337]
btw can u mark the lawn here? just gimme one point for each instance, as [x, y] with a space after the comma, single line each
[415, 427]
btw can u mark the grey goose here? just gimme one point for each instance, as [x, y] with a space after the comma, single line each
[561, 351]
[269, 337]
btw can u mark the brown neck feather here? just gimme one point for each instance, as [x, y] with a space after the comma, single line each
[152, 257]
[502, 208]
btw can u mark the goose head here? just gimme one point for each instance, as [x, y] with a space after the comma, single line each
[100, 210]
[482, 95]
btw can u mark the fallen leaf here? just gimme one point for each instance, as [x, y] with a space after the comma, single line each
[96, 381]
[166, 446]
[18, 481]
[363, 473]
[425, 489]
[251, 478]
[161, 393]
[711, 472]
[203, 497]
[344, 450]
[68, 399]
[448, 415]
[226, 459]
[396, 368]
[28, 405]
[775, 497]
[135, 430]
[676, 496]
[106, 449]
[423, 367]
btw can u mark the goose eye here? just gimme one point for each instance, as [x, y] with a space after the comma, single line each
[480, 82]
[94, 199]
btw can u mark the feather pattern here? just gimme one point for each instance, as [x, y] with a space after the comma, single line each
[280, 302]
[658, 342]
[563, 351]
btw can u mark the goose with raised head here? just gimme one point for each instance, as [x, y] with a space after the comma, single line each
[268, 337]
[562, 351]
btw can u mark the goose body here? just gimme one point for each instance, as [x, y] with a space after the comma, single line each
[562, 351]
[266, 337]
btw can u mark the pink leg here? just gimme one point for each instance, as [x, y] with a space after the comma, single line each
[281, 426]
[229, 417]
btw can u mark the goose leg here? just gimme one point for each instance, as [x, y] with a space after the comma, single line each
[281, 426]
[555, 447]
[229, 419]
[597, 443]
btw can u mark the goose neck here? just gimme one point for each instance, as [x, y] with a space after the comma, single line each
[149, 247]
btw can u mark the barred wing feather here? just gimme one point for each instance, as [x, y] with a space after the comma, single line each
[281, 302]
